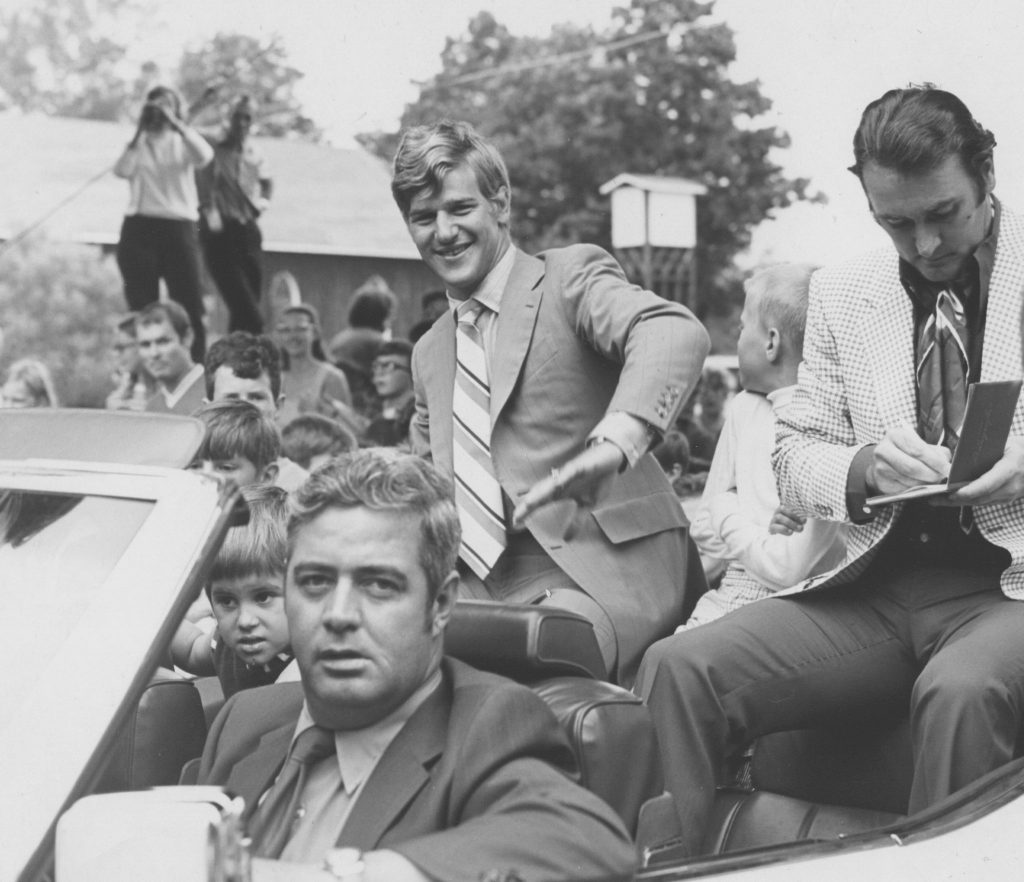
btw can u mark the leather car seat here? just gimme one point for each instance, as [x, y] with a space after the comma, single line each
[555, 652]
[164, 730]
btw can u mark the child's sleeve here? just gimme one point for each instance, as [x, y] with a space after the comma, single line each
[776, 560]
[192, 649]
[721, 484]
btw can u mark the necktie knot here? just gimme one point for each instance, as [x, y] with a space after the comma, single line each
[469, 312]
[312, 745]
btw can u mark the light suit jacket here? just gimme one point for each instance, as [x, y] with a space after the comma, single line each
[857, 381]
[575, 340]
[476, 781]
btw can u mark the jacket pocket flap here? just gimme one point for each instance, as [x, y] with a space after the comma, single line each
[636, 518]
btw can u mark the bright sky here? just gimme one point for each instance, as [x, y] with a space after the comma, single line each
[820, 61]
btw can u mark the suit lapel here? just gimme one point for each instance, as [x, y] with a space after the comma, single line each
[889, 324]
[400, 774]
[254, 773]
[1001, 354]
[520, 304]
[439, 361]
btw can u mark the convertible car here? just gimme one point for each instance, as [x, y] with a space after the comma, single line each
[105, 540]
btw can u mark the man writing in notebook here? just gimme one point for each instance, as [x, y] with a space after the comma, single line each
[925, 610]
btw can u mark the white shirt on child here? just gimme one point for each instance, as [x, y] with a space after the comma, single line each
[739, 499]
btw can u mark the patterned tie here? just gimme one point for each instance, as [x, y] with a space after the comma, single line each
[477, 491]
[942, 371]
[272, 822]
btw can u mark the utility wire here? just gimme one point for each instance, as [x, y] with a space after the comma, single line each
[476, 76]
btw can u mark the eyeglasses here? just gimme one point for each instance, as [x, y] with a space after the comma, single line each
[294, 329]
[386, 367]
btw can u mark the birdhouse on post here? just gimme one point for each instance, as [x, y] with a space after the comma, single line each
[654, 232]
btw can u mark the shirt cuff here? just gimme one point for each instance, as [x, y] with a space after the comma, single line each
[629, 433]
[857, 489]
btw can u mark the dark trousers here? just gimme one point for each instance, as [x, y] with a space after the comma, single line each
[944, 642]
[152, 248]
[234, 257]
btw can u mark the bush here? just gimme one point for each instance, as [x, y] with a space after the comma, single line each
[57, 302]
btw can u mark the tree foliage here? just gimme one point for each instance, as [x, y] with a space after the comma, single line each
[71, 58]
[56, 300]
[230, 65]
[67, 57]
[662, 102]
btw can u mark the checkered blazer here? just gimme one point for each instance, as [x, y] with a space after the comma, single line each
[857, 381]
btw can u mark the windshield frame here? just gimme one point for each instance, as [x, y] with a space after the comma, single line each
[56, 750]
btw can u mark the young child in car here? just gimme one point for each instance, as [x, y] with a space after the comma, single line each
[241, 442]
[740, 504]
[250, 645]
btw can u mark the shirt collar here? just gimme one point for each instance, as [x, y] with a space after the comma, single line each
[358, 750]
[491, 289]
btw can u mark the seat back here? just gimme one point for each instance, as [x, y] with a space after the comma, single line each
[166, 729]
[555, 651]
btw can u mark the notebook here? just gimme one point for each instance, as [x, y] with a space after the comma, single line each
[987, 419]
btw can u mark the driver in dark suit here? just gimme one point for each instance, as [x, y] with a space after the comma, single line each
[391, 761]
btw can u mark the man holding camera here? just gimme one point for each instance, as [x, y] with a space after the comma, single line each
[234, 190]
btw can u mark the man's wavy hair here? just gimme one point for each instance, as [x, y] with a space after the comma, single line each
[426, 154]
[382, 479]
[248, 355]
[916, 129]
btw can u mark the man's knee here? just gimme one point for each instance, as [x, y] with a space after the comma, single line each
[975, 685]
[675, 662]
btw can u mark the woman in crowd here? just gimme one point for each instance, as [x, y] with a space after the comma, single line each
[28, 384]
[310, 383]
[158, 236]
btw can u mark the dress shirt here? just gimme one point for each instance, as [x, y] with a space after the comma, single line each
[631, 435]
[334, 784]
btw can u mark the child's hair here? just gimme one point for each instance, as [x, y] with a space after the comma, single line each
[238, 428]
[37, 381]
[783, 306]
[673, 449]
[261, 545]
[311, 435]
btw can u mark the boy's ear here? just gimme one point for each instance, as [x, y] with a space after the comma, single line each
[773, 348]
[269, 473]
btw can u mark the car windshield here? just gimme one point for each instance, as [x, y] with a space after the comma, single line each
[56, 550]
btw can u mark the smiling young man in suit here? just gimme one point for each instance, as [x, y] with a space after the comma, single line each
[390, 761]
[541, 393]
[925, 610]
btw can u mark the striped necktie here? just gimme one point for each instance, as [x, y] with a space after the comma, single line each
[272, 822]
[477, 491]
[942, 371]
